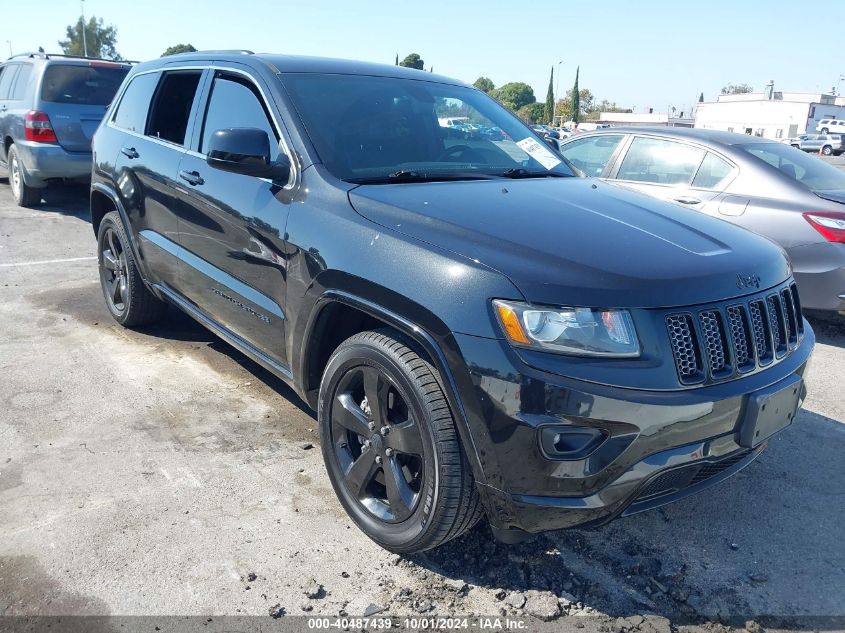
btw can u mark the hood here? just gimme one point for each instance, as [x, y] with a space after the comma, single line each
[581, 242]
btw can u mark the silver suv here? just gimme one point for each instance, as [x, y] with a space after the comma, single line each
[50, 106]
[827, 144]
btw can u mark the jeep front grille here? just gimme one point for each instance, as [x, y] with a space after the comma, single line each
[718, 342]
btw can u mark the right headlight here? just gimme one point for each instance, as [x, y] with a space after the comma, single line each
[575, 331]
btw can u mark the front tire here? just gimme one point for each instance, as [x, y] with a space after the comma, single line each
[827, 150]
[391, 447]
[824, 130]
[127, 297]
[25, 196]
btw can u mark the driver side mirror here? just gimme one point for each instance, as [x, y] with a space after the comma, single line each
[246, 151]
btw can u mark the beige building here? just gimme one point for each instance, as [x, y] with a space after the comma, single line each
[769, 114]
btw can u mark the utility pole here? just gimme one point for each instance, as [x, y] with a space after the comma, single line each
[84, 39]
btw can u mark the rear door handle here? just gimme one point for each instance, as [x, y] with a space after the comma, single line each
[687, 200]
[191, 177]
[129, 152]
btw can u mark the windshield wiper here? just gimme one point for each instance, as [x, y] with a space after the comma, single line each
[520, 172]
[410, 175]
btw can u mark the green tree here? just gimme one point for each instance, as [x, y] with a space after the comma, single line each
[514, 95]
[576, 97]
[484, 84]
[701, 98]
[397, 60]
[413, 61]
[532, 112]
[100, 40]
[179, 48]
[548, 111]
[736, 89]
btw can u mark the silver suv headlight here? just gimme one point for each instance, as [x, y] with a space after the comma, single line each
[575, 331]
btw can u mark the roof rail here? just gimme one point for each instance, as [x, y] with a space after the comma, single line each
[232, 51]
[40, 55]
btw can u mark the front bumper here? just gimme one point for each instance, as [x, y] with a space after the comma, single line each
[660, 446]
[47, 161]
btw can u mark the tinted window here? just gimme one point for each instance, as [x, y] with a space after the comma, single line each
[811, 172]
[84, 85]
[660, 162]
[713, 170]
[172, 104]
[591, 155]
[365, 128]
[135, 103]
[235, 103]
[6, 78]
[21, 83]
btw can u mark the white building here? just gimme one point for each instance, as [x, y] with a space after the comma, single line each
[769, 114]
[643, 118]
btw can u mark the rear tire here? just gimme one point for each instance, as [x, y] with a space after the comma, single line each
[127, 297]
[391, 447]
[824, 130]
[25, 196]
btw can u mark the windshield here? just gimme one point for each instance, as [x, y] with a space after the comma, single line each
[84, 85]
[383, 129]
[800, 166]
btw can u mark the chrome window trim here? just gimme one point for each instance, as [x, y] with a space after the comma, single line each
[294, 176]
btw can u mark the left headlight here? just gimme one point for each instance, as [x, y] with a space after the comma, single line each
[576, 331]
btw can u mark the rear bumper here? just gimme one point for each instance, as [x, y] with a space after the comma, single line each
[819, 271]
[45, 161]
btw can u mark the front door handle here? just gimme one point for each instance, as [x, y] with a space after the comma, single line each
[193, 178]
[129, 152]
[687, 200]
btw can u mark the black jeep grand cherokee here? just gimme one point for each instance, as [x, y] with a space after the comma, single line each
[479, 332]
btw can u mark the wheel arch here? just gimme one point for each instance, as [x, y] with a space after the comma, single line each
[103, 200]
[359, 312]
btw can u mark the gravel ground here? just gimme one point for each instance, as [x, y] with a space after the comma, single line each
[162, 473]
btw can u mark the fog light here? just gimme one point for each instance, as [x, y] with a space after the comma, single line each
[570, 442]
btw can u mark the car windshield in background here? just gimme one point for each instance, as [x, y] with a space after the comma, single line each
[811, 172]
[380, 129]
[83, 85]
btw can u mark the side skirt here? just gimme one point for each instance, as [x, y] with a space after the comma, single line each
[227, 335]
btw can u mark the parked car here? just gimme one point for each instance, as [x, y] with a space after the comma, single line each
[831, 126]
[773, 189]
[827, 144]
[50, 106]
[479, 332]
[795, 140]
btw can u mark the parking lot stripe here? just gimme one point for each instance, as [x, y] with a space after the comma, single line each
[48, 261]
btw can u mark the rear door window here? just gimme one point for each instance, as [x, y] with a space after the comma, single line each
[6, 79]
[132, 110]
[172, 104]
[660, 161]
[235, 103]
[90, 84]
[21, 83]
[592, 154]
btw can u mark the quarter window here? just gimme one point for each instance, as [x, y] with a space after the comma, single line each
[713, 171]
[660, 162]
[592, 154]
[234, 103]
[21, 83]
[172, 105]
[132, 110]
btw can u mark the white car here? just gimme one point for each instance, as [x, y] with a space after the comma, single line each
[831, 126]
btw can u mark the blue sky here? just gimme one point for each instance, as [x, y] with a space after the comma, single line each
[647, 54]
